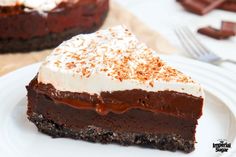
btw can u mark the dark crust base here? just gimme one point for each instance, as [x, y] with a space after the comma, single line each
[49, 41]
[92, 133]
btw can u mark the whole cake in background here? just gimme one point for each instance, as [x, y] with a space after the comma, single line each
[109, 87]
[27, 25]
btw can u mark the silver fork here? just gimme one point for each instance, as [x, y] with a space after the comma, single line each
[196, 49]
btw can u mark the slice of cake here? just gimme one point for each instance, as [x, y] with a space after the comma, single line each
[109, 87]
[27, 25]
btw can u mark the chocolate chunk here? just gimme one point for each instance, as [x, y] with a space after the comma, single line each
[201, 7]
[229, 27]
[214, 33]
[229, 6]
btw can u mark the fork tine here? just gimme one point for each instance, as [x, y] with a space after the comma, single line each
[195, 47]
[206, 54]
[201, 47]
[191, 43]
[186, 47]
[187, 44]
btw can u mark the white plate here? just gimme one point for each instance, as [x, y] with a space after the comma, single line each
[19, 137]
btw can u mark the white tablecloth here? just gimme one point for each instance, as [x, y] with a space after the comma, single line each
[164, 15]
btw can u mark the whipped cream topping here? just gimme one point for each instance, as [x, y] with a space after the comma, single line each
[8, 2]
[40, 5]
[111, 60]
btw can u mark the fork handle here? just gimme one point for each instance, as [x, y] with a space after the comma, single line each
[229, 60]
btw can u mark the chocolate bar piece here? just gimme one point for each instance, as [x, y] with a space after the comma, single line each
[215, 33]
[229, 6]
[201, 7]
[229, 27]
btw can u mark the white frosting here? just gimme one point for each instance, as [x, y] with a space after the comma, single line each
[44, 5]
[8, 2]
[94, 63]
[40, 5]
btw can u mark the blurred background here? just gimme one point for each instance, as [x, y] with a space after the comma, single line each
[165, 16]
[162, 25]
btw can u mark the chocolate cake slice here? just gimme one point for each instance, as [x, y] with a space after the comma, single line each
[109, 87]
[27, 25]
